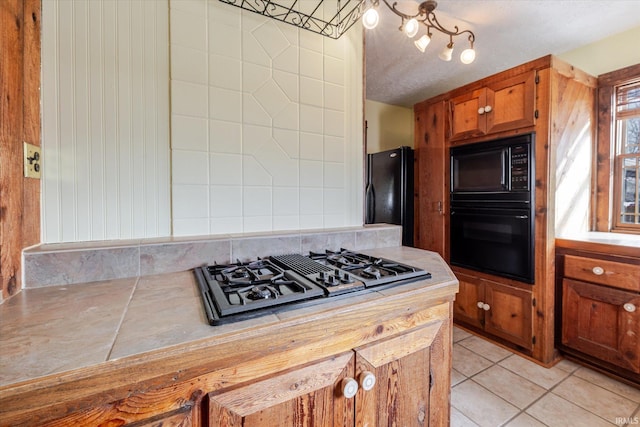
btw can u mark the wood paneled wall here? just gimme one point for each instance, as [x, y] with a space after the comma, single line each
[19, 121]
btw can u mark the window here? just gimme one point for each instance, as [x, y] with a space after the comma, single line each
[617, 204]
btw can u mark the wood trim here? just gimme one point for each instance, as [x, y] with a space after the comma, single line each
[603, 203]
[19, 121]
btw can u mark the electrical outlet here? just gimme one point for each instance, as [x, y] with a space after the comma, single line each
[32, 161]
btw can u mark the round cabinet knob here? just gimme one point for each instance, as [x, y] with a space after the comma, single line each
[486, 307]
[367, 380]
[349, 387]
[481, 110]
[488, 109]
[629, 307]
[480, 304]
[598, 271]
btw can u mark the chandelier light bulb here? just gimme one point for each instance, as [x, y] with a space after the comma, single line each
[447, 52]
[370, 19]
[411, 27]
[422, 42]
[468, 56]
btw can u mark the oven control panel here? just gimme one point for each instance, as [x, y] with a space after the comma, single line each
[520, 167]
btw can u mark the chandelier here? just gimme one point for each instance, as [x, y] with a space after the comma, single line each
[332, 18]
[410, 25]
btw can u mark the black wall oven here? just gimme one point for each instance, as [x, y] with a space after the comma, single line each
[492, 207]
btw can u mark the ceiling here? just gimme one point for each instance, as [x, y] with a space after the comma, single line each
[508, 33]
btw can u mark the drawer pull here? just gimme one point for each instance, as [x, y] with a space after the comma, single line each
[598, 271]
[629, 307]
[486, 307]
[367, 380]
[349, 387]
[480, 304]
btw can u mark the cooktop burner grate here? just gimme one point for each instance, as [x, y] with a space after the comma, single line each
[243, 290]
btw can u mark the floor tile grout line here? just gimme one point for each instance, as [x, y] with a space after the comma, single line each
[547, 391]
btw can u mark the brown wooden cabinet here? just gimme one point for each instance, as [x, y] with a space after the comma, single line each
[500, 310]
[599, 310]
[288, 373]
[397, 384]
[431, 183]
[500, 106]
[550, 99]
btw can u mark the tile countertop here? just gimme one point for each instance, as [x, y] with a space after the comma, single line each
[613, 243]
[56, 331]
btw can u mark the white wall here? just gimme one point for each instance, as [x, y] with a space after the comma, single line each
[105, 130]
[615, 52]
[266, 122]
[388, 126]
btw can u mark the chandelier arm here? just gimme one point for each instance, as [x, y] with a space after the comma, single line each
[400, 14]
[431, 21]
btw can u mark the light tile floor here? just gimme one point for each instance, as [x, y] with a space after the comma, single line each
[494, 387]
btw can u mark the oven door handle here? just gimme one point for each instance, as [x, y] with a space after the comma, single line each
[491, 214]
[505, 170]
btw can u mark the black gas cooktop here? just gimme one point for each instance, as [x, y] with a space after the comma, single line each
[244, 290]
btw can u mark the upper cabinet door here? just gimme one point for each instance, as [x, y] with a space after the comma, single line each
[501, 106]
[466, 120]
[511, 103]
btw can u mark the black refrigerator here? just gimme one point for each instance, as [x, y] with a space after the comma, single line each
[389, 190]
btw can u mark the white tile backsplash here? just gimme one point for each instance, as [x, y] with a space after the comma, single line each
[311, 173]
[225, 104]
[225, 137]
[276, 105]
[226, 201]
[311, 146]
[334, 70]
[311, 118]
[189, 99]
[189, 133]
[190, 201]
[225, 72]
[311, 64]
[189, 167]
[189, 65]
[226, 169]
[253, 173]
[311, 92]
[188, 29]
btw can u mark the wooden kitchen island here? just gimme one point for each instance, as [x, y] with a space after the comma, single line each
[139, 351]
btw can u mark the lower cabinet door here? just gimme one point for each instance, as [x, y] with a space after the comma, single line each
[467, 307]
[602, 322]
[300, 397]
[408, 370]
[508, 313]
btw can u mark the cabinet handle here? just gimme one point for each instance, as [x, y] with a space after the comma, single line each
[481, 110]
[488, 109]
[349, 387]
[629, 307]
[480, 304]
[598, 271]
[486, 307]
[367, 380]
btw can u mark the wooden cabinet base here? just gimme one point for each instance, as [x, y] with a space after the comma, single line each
[284, 373]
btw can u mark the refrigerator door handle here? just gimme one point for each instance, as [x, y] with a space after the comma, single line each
[371, 204]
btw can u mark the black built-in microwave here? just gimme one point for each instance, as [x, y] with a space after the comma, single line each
[499, 169]
[492, 207]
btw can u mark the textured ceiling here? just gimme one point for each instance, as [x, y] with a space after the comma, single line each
[508, 33]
